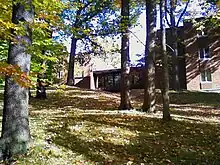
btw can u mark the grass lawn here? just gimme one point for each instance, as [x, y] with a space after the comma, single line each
[83, 127]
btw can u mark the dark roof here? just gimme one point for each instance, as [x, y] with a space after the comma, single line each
[117, 70]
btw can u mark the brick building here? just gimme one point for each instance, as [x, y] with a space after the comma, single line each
[198, 61]
[202, 57]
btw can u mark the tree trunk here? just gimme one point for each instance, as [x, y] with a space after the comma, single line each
[70, 77]
[125, 61]
[174, 41]
[165, 87]
[41, 89]
[29, 93]
[15, 124]
[149, 87]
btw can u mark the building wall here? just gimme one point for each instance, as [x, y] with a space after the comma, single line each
[190, 64]
[195, 65]
[215, 61]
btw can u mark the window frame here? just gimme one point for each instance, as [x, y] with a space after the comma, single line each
[204, 54]
[206, 76]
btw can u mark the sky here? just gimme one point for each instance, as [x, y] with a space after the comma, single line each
[138, 35]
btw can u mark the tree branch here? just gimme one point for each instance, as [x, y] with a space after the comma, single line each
[167, 11]
[88, 17]
[95, 44]
[170, 47]
[136, 37]
[182, 14]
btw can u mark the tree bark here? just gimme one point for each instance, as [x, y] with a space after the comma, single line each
[125, 61]
[174, 42]
[70, 76]
[15, 124]
[165, 87]
[149, 87]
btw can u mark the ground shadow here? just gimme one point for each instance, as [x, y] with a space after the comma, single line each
[75, 102]
[187, 97]
[183, 97]
[156, 142]
[190, 111]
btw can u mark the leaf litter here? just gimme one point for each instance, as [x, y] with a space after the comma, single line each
[67, 129]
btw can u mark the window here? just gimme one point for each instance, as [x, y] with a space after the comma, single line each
[204, 53]
[110, 80]
[206, 76]
[101, 82]
[117, 78]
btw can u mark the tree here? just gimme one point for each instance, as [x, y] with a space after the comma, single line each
[176, 82]
[45, 52]
[149, 87]
[15, 124]
[90, 19]
[125, 61]
[45, 49]
[212, 22]
[107, 50]
[165, 87]
[174, 38]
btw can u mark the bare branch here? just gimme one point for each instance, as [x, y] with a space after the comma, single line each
[136, 37]
[182, 14]
[167, 12]
[170, 47]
